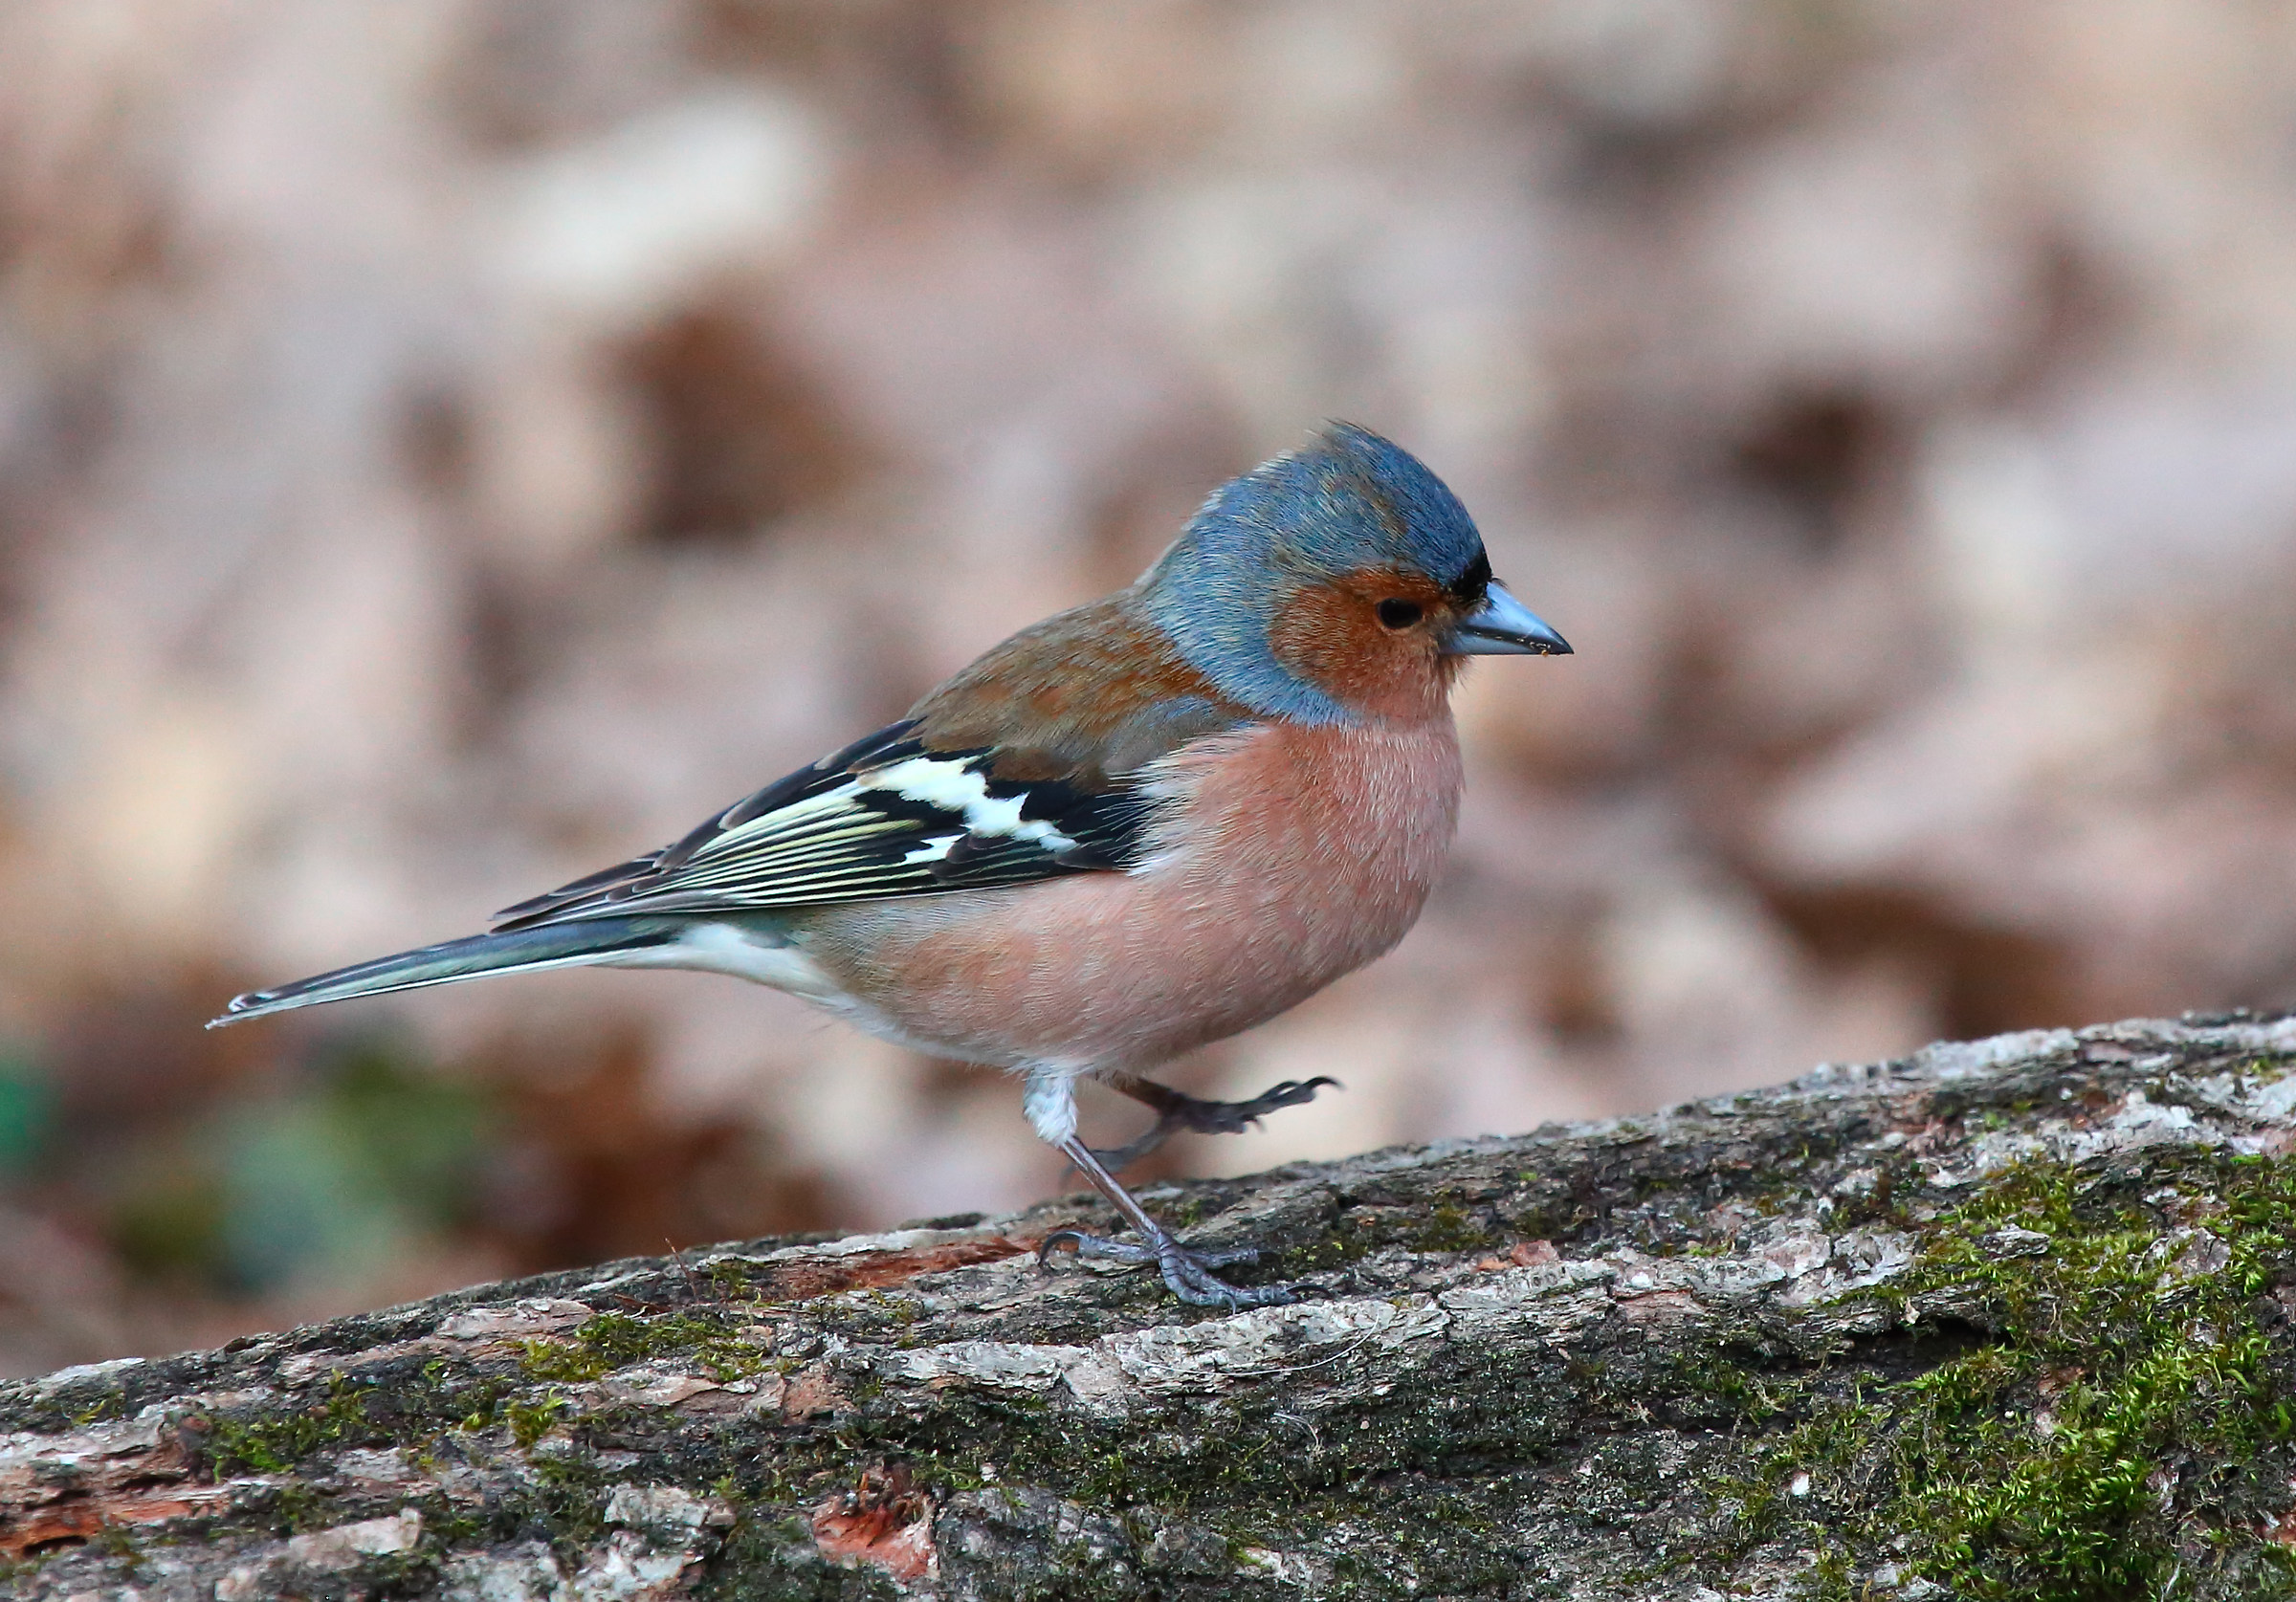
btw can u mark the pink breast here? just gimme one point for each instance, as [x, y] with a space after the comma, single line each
[1298, 855]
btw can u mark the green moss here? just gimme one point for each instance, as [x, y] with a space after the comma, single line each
[273, 1442]
[112, 1404]
[731, 1280]
[296, 1508]
[1352, 1237]
[1184, 1214]
[2118, 1417]
[1447, 1225]
[1452, 1228]
[616, 1340]
[561, 1362]
[530, 1421]
[118, 1542]
[568, 1501]
[1718, 1382]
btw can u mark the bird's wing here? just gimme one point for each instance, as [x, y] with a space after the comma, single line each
[887, 816]
[1028, 763]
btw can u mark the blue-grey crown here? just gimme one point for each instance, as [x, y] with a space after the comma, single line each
[1347, 502]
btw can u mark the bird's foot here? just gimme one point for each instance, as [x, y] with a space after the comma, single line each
[1187, 1272]
[1235, 1117]
[1202, 1117]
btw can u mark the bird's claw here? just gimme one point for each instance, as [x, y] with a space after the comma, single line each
[1186, 1271]
[1235, 1117]
[1198, 1116]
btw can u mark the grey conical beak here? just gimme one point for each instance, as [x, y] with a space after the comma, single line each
[1503, 627]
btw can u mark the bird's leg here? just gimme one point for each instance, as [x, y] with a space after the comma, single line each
[1051, 1103]
[1177, 1110]
[1188, 1273]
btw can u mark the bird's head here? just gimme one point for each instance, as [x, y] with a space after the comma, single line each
[1336, 580]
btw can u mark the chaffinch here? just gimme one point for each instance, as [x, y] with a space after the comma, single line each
[1136, 828]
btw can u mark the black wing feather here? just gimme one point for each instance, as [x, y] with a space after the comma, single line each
[882, 818]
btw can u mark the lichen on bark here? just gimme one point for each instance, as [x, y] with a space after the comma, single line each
[2003, 1319]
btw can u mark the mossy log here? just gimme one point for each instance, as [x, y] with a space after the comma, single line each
[2007, 1319]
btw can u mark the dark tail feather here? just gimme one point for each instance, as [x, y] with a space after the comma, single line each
[565, 945]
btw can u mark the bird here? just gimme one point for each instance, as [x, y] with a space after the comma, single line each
[1138, 826]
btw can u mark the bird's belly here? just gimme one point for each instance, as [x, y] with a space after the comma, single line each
[1298, 855]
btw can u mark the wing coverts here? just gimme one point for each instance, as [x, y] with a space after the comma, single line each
[884, 817]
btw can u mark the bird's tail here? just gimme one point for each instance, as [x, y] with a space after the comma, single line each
[565, 945]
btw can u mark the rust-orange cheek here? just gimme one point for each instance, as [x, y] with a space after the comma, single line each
[1328, 633]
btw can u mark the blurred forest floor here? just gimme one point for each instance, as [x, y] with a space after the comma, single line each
[449, 445]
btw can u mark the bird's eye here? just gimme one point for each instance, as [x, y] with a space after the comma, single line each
[1401, 614]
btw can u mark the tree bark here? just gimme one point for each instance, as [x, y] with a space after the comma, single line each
[2001, 1319]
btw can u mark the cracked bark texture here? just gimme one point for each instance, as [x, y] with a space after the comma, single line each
[2005, 1318]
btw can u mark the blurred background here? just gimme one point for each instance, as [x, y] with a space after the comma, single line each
[447, 446]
